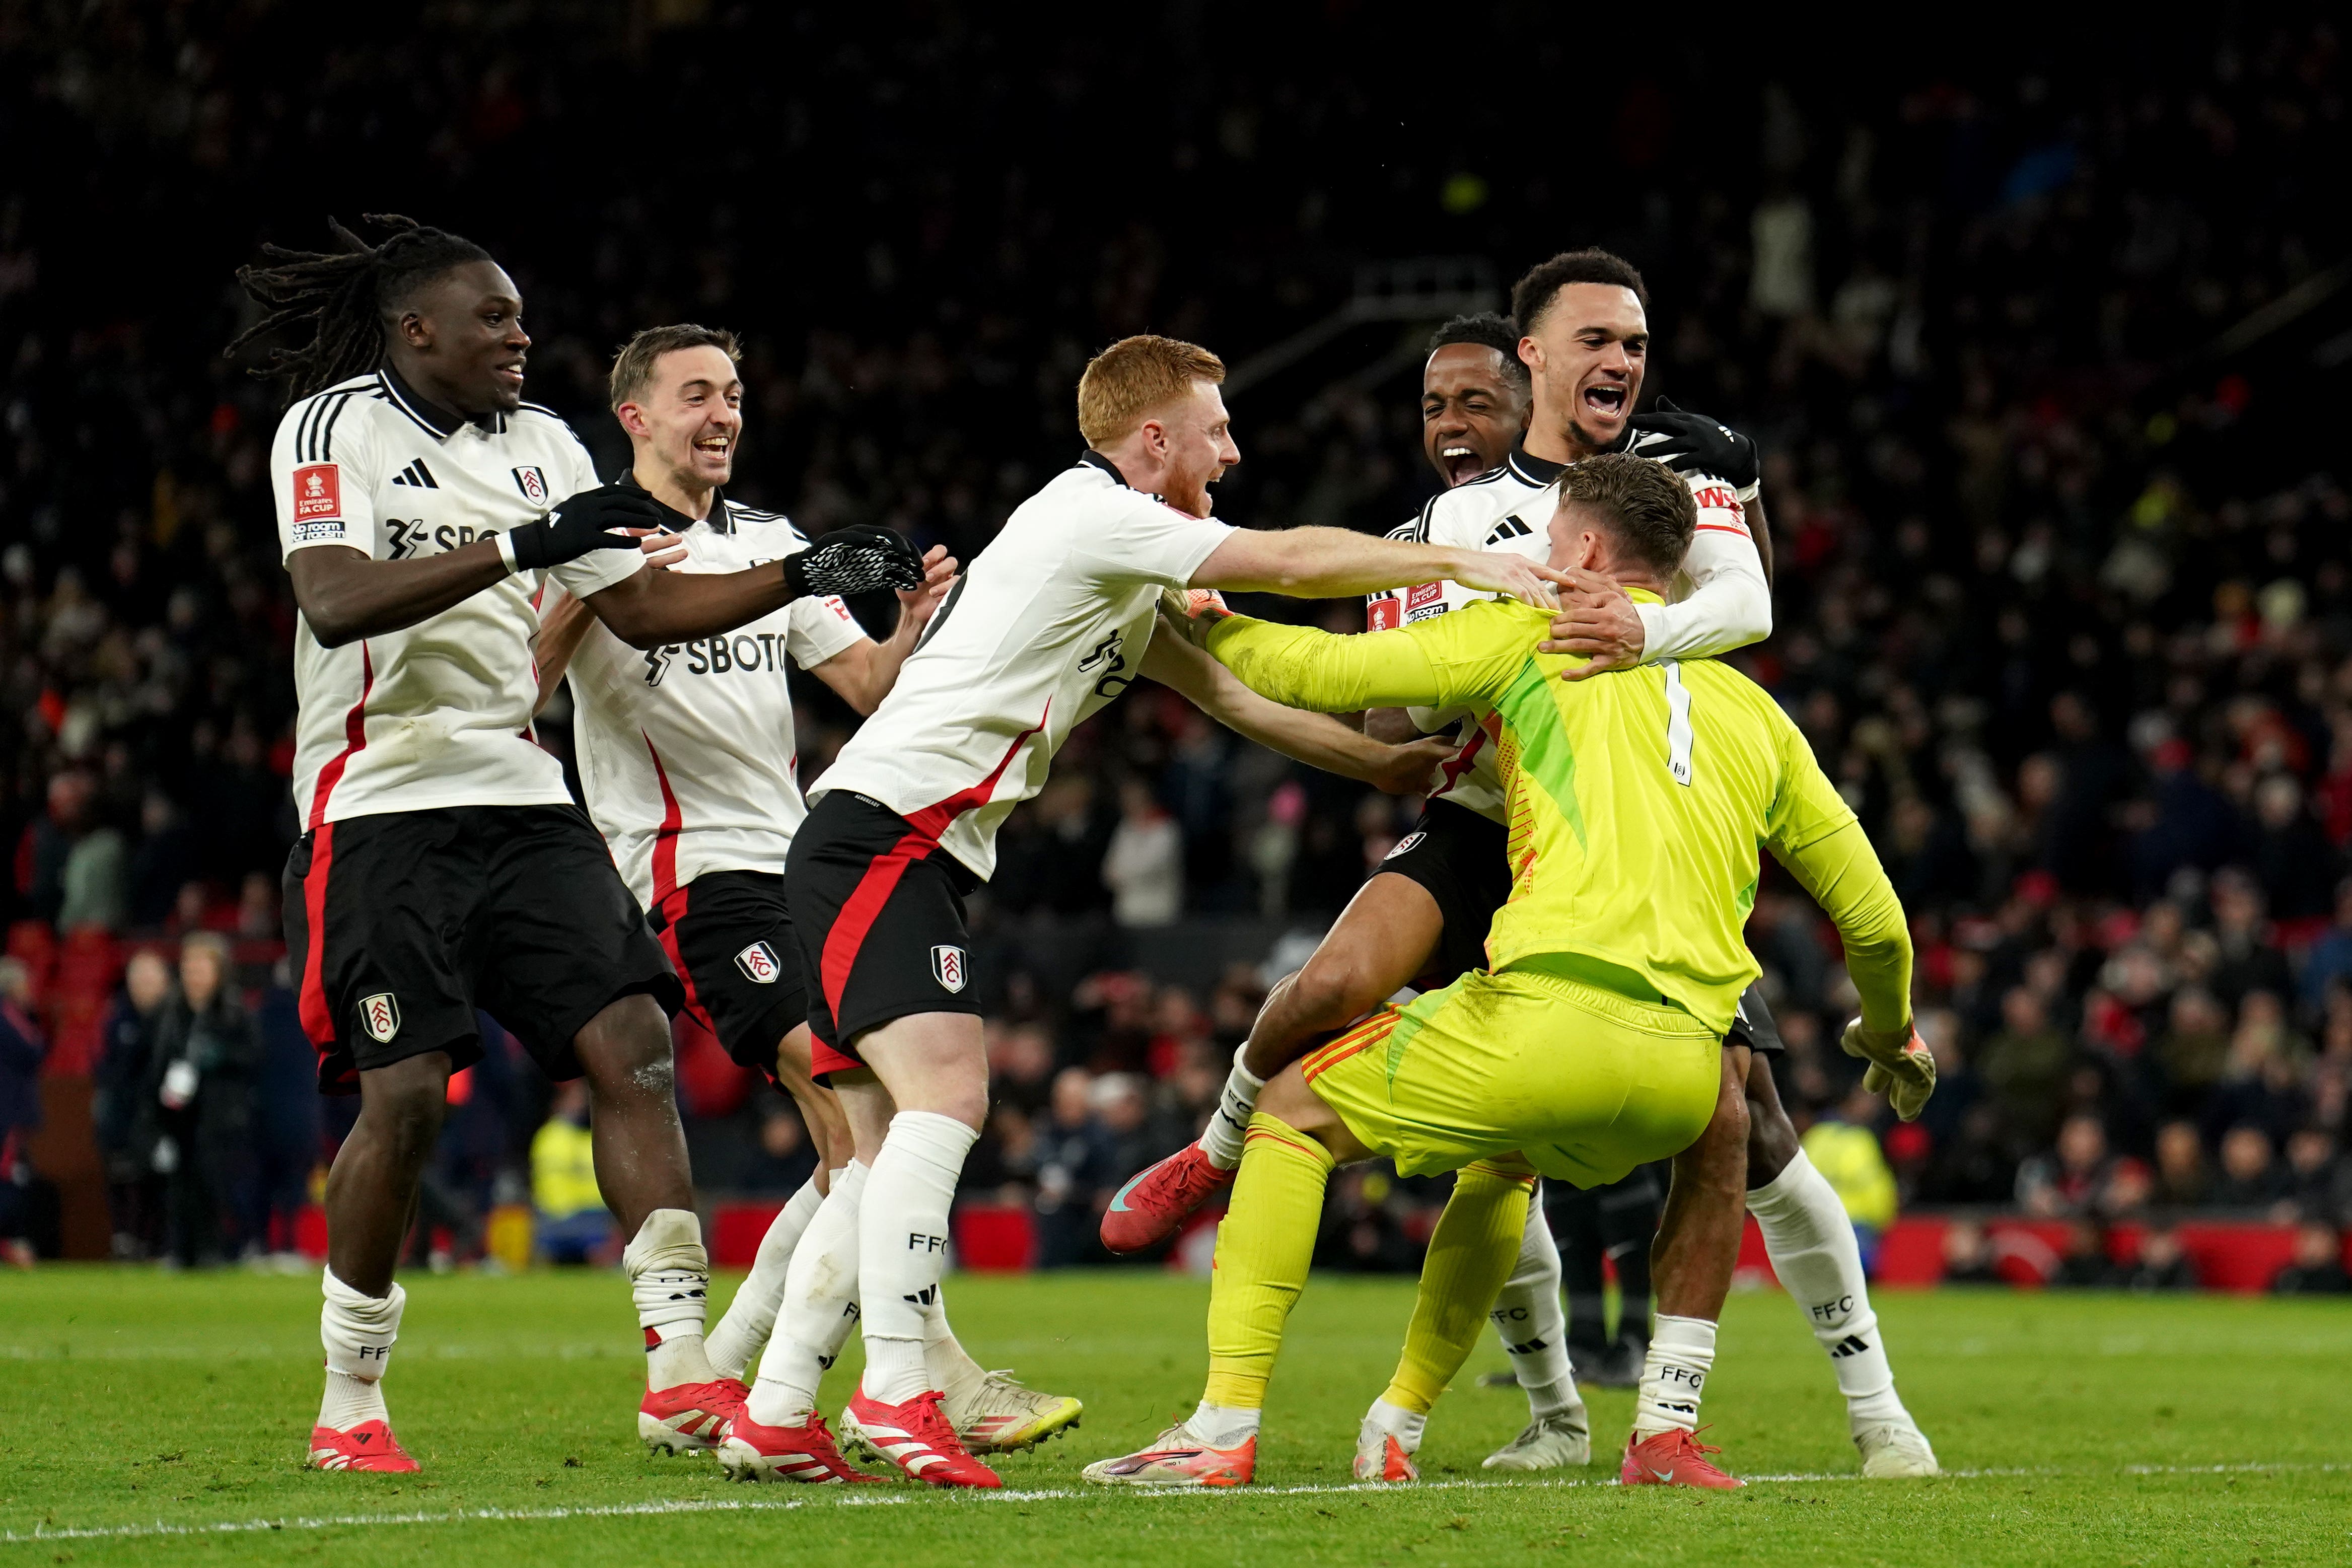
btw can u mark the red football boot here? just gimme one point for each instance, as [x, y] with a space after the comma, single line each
[691, 1417]
[917, 1439]
[370, 1446]
[1672, 1458]
[803, 1453]
[1150, 1206]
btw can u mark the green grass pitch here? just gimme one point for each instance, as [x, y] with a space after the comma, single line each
[157, 1419]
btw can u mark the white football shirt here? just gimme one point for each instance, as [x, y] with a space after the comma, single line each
[439, 714]
[687, 751]
[1048, 623]
[1717, 603]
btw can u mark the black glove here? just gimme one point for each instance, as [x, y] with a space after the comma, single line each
[1693, 444]
[854, 560]
[584, 522]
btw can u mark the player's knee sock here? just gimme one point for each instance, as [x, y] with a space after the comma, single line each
[1222, 1139]
[820, 1307]
[1473, 1250]
[1264, 1246]
[357, 1332]
[1813, 1248]
[902, 1242]
[1533, 1328]
[751, 1317]
[945, 1363]
[1674, 1375]
[669, 1275]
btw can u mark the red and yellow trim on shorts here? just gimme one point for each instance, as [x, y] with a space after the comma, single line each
[1363, 1037]
[1288, 1138]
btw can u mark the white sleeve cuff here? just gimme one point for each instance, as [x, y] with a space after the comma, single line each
[505, 553]
[1652, 614]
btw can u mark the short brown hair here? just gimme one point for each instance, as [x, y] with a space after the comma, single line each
[1135, 375]
[634, 366]
[1645, 504]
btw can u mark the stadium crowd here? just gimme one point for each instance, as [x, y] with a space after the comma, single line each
[2058, 604]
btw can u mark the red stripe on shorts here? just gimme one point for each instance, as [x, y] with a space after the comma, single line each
[318, 1017]
[865, 901]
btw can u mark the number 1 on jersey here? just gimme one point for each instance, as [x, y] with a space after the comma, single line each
[1678, 724]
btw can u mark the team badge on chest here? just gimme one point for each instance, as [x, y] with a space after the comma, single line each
[532, 483]
[758, 962]
[380, 1016]
[948, 968]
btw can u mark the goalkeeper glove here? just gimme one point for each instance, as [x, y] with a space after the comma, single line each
[1694, 444]
[857, 559]
[1900, 1066]
[589, 520]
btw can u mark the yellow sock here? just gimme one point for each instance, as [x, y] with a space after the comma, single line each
[1471, 1254]
[1264, 1246]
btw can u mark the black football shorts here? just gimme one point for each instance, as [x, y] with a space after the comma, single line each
[399, 925]
[1459, 857]
[878, 907]
[731, 941]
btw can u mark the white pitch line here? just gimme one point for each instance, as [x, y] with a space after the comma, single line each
[859, 1497]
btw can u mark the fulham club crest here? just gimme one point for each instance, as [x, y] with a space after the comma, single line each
[532, 483]
[758, 962]
[948, 968]
[380, 1016]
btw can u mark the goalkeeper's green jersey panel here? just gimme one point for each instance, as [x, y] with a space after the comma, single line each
[1638, 799]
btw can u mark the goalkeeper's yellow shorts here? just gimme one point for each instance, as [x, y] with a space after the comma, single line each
[1584, 1083]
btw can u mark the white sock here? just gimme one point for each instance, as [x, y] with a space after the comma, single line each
[819, 1308]
[945, 1367]
[357, 1332]
[669, 1275]
[1533, 1328]
[902, 1244]
[1406, 1426]
[1674, 1375]
[751, 1317]
[1222, 1139]
[1813, 1248]
[1222, 1426]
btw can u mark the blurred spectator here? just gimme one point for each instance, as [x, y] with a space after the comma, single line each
[2025, 1068]
[2194, 1050]
[2318, 1266]
[1845, 1151]
[2162, 1265]
[2250, 1175]
[1967, 1255]
[133, 1191]
[2073, 1178]
[2083, 1261]
[1144, 865]
[2181, 1177]
[574, 1226]
[197, 1108]
[785, 1158]
[1077, 1168]
[22, 1049]
[2321, 1180]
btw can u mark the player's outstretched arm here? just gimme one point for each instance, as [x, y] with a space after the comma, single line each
[647, 609]
[1333, 564]
[864, 672]
[345, 596]
[562, 622]
[1315, 739]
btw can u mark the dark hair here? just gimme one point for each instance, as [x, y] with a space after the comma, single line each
[634, 366]
[1532, 296]
[345, 295]
[1647, 506]
[1487, 331]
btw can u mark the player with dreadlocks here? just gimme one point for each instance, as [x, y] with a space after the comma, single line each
[423, 507]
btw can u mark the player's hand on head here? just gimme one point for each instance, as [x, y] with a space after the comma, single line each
[1514, 576]
[1598, 622]
[661, 547]
[857, 559]
[1694, 444]
[1901, 1066]
[609, 517]
[1412, 768]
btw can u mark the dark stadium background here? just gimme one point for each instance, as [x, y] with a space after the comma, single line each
[2051, 390]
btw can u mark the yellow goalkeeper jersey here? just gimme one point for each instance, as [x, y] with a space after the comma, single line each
[1638, 801]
